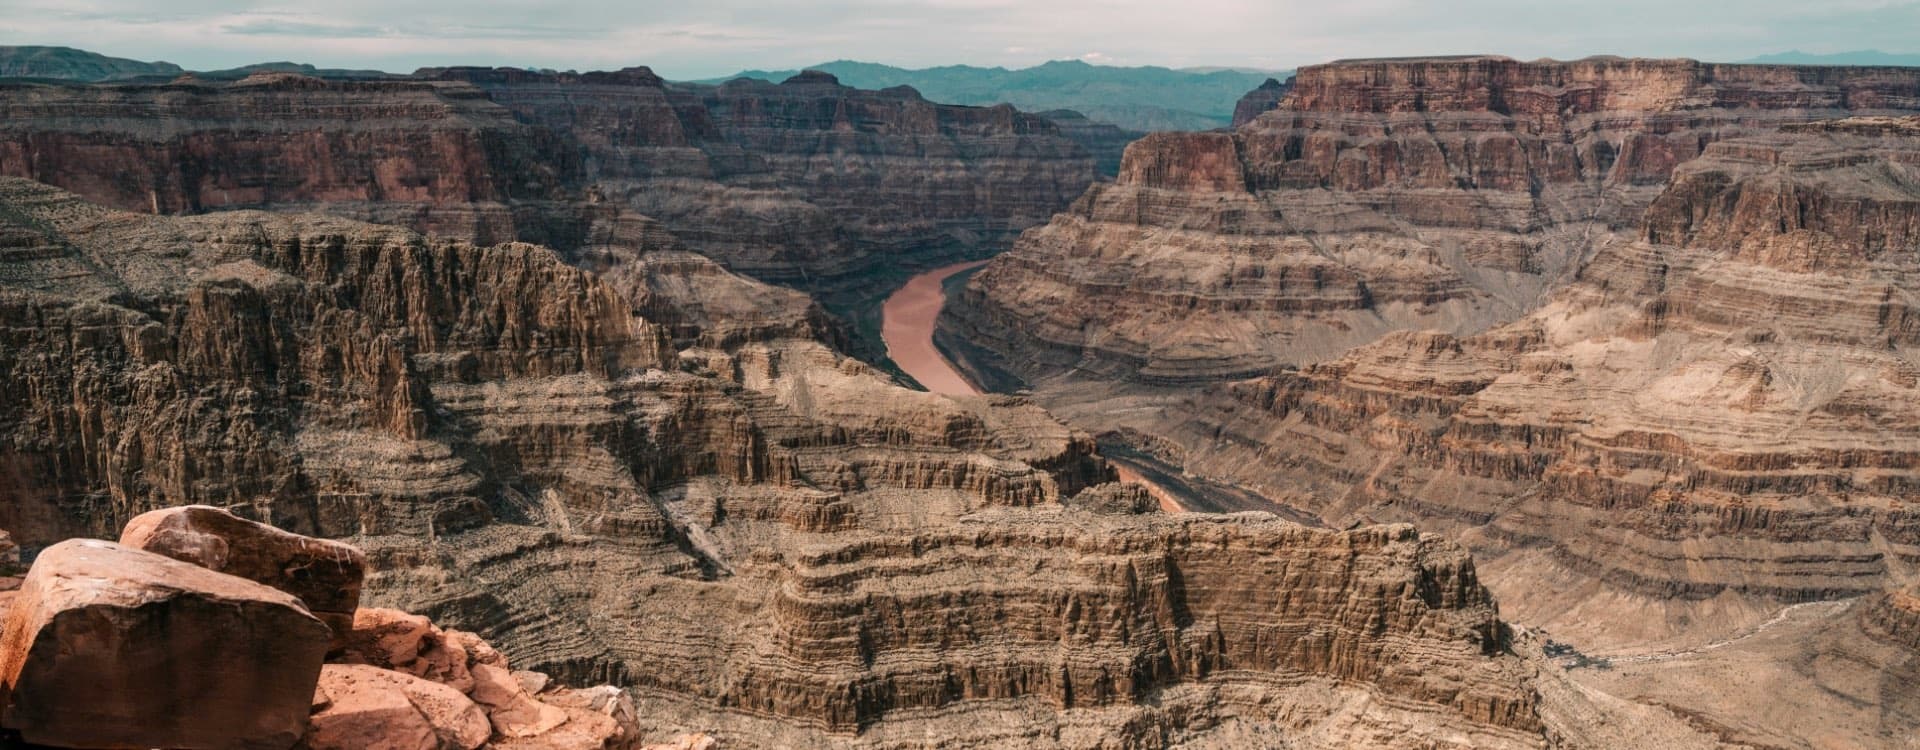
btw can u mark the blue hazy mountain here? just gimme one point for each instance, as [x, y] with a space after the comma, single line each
[1134, 98]
[69, 64]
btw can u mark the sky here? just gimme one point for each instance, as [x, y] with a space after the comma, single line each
[689, 39]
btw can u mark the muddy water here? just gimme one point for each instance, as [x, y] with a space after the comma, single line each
[906, 326]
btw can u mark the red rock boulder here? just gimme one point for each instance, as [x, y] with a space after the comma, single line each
[108, 647]
[325, 574]
[361, 707]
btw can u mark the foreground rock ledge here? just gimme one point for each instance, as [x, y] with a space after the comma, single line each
[325, 574]
[93, 649]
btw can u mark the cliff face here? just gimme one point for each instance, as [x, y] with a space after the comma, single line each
[758, 535]
[1259, 101]
[1377, 196]
[1721, 410]
[806, 182]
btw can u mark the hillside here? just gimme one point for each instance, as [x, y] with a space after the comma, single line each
[1134, 98]
[69, 64]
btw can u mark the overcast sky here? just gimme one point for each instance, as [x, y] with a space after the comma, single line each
[705, 38]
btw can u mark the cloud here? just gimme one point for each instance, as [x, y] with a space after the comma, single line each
[716, 37]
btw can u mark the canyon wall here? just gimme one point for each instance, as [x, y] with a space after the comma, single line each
[1376, 196]
[762, 538]
[1713, 418]
[805, 182]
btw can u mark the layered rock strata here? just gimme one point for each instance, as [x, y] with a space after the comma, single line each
[806, 182]
[1449, 194]
[1713, 419]
[761, 537]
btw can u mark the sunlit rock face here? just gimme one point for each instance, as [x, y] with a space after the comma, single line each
[1375, 196]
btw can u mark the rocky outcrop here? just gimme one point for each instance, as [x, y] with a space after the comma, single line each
[1259, 101]
[325, 575]
[110, 646]
[359, 706]
[762, 538]
[98, 644]
[1449, 194]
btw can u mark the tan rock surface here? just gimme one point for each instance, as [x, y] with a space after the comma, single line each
[108, 646]
[1448, 194]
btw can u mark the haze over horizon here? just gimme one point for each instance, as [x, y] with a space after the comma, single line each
[725, 36]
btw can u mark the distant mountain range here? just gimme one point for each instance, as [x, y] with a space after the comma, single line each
[1134, 98]
[69, 64]
[1856, 57]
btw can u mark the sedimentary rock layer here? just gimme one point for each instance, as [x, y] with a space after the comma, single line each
[1721, 410]
[762, 537]
[805, 182]
[1449, 194]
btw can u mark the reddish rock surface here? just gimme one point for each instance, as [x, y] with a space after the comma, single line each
[108, 646]
[326, 575]
[359, 706]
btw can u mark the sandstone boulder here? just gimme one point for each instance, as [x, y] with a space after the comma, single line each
[360, 707]
[325, 574]
[511, 710]
[109, 646]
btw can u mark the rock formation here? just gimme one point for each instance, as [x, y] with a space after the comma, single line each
[807, 182]
[1637, 332]
[325, 575]
[1259, 101]
[1729, 410]
[95, 643]
[1449, 194]
[110, 646]
[762, 538]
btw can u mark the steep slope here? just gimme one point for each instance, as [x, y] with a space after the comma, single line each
[759, 536]
[1448, 194]
[1712, 420]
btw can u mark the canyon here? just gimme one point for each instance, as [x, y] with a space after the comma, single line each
[1453, 402]
[1633, 331]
